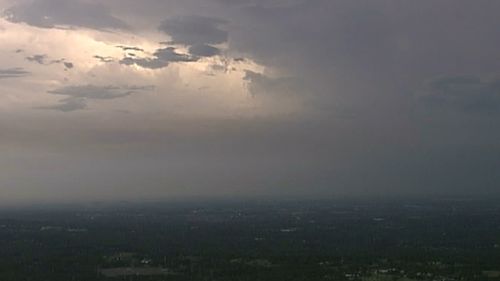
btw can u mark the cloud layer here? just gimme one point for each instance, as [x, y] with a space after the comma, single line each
[62, 13]
[310, 98]
[468, 94]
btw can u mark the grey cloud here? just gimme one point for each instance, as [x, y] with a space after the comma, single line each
[40, 59]
[145, 62]
[104, 59]
[161, 58]
[77, 96]
[13, 73]
[204, 50]
[469, 94]
[262, 4]
[69, 65]
[195, 30]
[129, 48]
[68, 105]
[169, 54]
[260, 84]
[219, 68]
[141, 88]
[93, 92]
[63, 13]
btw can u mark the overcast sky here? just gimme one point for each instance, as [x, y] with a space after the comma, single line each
[152, 99]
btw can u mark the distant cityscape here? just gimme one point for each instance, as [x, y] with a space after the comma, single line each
[429, 240]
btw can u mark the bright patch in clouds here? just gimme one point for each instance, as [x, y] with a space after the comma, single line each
[191, 81]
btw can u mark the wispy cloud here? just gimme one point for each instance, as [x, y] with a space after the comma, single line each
[13, 73]
[43, 59]
[76, 97]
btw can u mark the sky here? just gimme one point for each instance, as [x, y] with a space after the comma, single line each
[151, 99]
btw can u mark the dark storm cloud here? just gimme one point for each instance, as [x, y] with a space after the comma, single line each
[366, 59]
[195, 30]
[204, 50]
[260, 84]
[363, 59]
[13, 73]
[63, 13]
[198, 33]
[161, 59]
[468, 94]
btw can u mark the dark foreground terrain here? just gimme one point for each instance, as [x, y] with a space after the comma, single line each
[427, 240]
